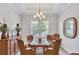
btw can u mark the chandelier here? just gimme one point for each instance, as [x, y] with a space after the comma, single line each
[39, 15]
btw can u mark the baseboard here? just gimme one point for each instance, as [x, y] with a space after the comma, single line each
[66, 50]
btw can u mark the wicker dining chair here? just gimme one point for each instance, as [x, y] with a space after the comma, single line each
[56, 36]
[49, 37]
[24, 50]
[55, 49]
[29, 38]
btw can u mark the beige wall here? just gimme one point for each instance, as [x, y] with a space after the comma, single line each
[71, 45]
[11, 18]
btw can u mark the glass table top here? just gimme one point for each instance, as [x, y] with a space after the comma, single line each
[43, 42]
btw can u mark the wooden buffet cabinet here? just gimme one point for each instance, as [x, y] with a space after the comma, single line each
[8, 46]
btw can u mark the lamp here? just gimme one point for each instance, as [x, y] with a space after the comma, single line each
[39, 15]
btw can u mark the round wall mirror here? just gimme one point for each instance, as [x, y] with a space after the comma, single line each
[70, 27]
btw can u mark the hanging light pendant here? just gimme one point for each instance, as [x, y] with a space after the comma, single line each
[39, 15]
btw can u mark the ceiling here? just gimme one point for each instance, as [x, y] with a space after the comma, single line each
[31, 8]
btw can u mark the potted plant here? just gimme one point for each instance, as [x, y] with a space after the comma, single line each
[18, 29]
[3, 29]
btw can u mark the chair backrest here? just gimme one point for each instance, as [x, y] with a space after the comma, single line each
[30, 37]
[49, 37]
[23, 50]
[56, 36]
[56, 46]
[3, 47]
[21, 46]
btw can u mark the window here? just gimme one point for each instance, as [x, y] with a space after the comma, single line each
[39, 28]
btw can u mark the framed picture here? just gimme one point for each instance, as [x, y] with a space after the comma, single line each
[70, 27]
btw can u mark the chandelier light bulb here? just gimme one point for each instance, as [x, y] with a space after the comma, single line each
[34, 16]
[38, 15]
[43, 16]
[40, 18]
[41, 13]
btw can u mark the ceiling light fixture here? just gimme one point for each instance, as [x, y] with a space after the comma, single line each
[39, 15]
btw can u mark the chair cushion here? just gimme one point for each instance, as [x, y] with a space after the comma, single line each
[54, 41]
[50, 48]
[26, 46]
[29, 48]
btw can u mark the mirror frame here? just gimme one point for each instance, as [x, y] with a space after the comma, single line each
[74, 27]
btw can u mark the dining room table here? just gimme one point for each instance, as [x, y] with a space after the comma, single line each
[43, 43]
[39, 46]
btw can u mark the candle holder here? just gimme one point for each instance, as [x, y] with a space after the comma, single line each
[39, 40]
[18, 29]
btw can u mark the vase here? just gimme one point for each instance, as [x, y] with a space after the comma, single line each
[3, 36]
[8, 35]
[18, 33]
